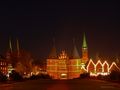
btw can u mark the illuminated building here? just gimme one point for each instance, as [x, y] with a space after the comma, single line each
[18, 60]
[84, 50]
[5, 62]
[101, 68]
[3, 65]
[65, 67]
[91, 66]
[114, 67]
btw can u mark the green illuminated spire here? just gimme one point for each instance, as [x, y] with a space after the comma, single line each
[84, 42]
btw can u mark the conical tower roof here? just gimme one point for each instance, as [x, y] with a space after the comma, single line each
[84, 42]
[10, 45]
[53, 53]
[18, 47]
[75, 51]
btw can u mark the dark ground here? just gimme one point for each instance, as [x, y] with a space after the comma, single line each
[61, 85]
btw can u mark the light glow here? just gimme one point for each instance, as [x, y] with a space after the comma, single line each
[114, 64]
[103, 72]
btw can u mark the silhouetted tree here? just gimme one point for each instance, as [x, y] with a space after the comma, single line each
[2, 77]
[15, 76]
[85, 75]
[24, 63]
[40, 76]
[115, 75]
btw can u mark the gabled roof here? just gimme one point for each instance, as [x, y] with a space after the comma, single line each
[114, 66]
[53, 53]
[75, 54]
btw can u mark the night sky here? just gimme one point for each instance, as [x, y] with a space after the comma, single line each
[35, 24]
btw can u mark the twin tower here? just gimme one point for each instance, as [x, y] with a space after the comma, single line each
[10, 51]
[75, 54]
[65, 67]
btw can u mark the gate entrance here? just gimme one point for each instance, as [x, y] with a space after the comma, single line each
[63, 76]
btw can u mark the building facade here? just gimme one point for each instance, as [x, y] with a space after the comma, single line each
[64, 67]
[101, 68]
[3, 65]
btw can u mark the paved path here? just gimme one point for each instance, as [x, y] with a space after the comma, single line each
[61, 85]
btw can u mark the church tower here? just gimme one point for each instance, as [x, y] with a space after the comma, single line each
[75, 54]
[18, 48]
[52, 62]
[84, 50]
[9, 52]
[53, 53]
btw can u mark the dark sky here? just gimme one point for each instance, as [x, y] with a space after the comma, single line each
[35, 24]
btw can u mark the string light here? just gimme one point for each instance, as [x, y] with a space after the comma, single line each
[103, 72]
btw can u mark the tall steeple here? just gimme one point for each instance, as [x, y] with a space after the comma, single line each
[10, 45]
[18, 48]
[75, 51]
[84, 50]
[9, 52]
[84, 42]
[53, 53]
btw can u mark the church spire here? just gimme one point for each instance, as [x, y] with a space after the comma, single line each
[84, 42]
[18, 47]
[53, 53]
[75, 51]
[84, 50]
[10, 45]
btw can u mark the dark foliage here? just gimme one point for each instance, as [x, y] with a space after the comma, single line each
[101, 77]
[85, 75]
[3, 77]
[15, 76]
[115, 75]
[41, 76]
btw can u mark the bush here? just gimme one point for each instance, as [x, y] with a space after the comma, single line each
[115, 75]
[101, 77]
[3, 77]
[15, 76]
[45, 76]
[85, 75]
[41, 76]
[33, 77]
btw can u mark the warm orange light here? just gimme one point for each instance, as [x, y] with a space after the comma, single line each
[105, 63]
[97, 68]
[103, 72]
[114, 64]
[90, 62]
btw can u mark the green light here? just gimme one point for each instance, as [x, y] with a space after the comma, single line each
[84, 42]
